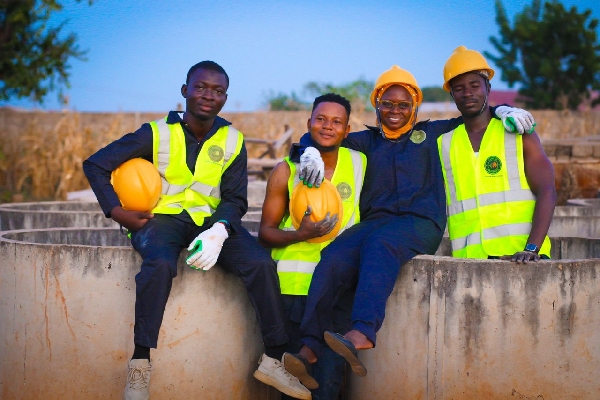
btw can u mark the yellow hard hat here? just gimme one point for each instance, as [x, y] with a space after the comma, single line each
[462, 61]
[324, 199]
[138, 184]
[396, 75]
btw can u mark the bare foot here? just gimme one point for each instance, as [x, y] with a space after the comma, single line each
[307, 353]
[359, 340]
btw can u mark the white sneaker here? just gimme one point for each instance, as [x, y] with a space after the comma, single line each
[271, 372]
[138, 379]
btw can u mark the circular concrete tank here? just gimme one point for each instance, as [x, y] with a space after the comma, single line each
[53, 214]
[591, 202]
[66, 310]
[85, 214]
[490, 329]
[454, 328]
[575, 221]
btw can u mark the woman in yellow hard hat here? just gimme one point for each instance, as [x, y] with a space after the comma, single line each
[403, 214]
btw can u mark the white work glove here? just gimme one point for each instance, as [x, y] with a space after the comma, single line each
[312, 168]
[206, 247]
[516, 120]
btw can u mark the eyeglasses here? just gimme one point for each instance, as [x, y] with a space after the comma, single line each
[387, 105]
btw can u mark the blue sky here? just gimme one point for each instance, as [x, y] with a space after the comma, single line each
[139, 51]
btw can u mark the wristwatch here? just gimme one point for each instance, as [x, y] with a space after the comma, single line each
[227, 226]
[532, 247]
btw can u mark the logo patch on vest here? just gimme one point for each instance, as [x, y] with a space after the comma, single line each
[493, 165]
[344, 190]
[215, 153]
[417, 137]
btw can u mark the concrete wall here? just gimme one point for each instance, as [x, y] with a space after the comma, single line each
[85, 214]
[66, 313]
[455, 329]
[465, 329]
[576, 220]
[581, 220]
[52, 214]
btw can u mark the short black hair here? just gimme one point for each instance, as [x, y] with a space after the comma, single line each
[211, 65]
[333, 98]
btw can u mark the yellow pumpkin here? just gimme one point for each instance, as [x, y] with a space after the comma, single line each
[324, 199]
[138, 184]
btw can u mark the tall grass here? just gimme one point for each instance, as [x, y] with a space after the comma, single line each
[41, 153]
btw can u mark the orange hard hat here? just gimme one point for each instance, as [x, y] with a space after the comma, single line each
[138, 184]
[324, 199]
[396, 75]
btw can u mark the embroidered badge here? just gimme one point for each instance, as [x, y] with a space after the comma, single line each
[215, 153]
[493, 165]
[418, 137]
[344, 190]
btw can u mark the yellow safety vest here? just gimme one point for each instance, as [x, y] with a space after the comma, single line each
[199, 193]
[296, 262]
[490, 204]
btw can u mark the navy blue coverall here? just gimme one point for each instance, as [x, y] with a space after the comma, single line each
[161, 240]
[403, 214]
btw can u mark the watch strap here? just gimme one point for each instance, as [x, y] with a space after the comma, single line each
[532, 247]
[227, 226]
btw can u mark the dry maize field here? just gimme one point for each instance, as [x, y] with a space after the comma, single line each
[41, 152]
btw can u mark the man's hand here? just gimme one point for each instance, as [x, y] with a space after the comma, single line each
[312, 229]
[132, 220]
[523, 257]
[516, 120]
[312, 168]
[205, 249]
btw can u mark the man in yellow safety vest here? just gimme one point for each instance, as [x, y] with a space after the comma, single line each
[499, 186]
[202, 161]
[296, 257]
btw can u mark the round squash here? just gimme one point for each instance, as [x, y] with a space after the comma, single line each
[324, 199]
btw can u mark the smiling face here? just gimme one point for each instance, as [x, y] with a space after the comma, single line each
[398, 115]
[205, 93]
[470, 93]
[328, 125]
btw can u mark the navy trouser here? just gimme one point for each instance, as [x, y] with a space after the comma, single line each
[330, 371]
[369, 255]
[160, 242]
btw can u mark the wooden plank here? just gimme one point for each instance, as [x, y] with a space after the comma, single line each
[273, 145]
[263, 162]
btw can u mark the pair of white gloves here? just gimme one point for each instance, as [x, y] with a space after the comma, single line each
[312, 169]
[206, 247]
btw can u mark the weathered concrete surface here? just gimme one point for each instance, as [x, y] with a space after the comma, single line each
[576, 221]
[53, 214]
[593, 202]
[455, 329]
[466, 329]
[66, 313]
[85, 214]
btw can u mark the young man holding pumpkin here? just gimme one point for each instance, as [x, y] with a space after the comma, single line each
[297, 233]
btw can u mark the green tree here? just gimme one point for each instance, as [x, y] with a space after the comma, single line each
[34, 56]
[435, 95]
[554, 55]
[284, 102]
[357, 92]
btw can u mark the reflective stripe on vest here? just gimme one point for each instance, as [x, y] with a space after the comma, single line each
[296, 262]
[490, 204]
[199, 194]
